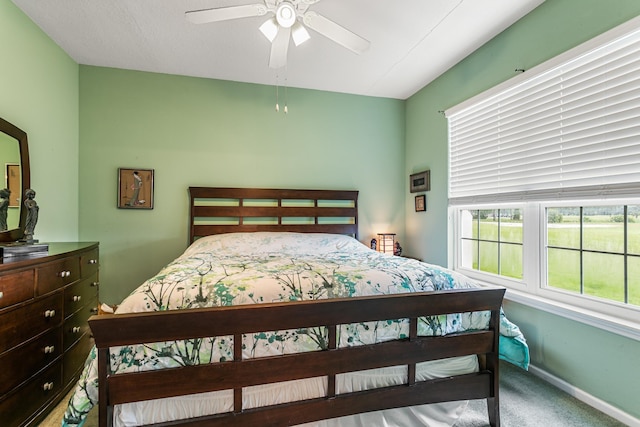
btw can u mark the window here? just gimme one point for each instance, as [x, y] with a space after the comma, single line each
[544, 179]
[579, 254]
[594, 251]
[491, 241]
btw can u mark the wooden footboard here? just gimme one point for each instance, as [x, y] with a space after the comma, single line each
[126, 329]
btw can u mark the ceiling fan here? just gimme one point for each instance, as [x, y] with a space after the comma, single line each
[290, 17]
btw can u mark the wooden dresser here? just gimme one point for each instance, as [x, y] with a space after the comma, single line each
[45, 302]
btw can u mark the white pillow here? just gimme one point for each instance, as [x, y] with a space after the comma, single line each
[278, 242]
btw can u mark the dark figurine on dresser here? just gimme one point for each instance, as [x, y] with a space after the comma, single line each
[27, 246]
[32, 215]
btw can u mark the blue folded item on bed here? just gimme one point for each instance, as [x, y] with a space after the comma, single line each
[515, 351]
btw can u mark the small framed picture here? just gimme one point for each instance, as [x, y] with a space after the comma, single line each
[421, 203]
[135, 188]
[420, 181]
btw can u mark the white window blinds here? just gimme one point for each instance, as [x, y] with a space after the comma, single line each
[568, 128]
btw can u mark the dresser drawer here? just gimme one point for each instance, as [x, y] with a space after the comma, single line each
[19, 364]
[75, 357]
[19, 324]
[16, 287]
[79, 294]
[55, 275]
[89, 263]
[22, 404]
[76, 325]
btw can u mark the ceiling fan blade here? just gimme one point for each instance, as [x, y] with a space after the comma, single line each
[279, 48]
[335, 32]
[225, 13]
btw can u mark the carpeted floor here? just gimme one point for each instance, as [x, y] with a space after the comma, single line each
[525, 401]
[528, 401]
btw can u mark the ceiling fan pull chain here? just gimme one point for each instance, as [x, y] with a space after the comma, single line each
[286, 98]
[277, 105]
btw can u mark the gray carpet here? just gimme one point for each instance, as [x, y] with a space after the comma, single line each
[525, 401]
[528, 401]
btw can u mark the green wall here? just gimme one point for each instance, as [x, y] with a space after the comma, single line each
[39, 94]
[564, 348]
[202, 132]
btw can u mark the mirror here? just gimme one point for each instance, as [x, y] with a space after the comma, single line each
[14, 159]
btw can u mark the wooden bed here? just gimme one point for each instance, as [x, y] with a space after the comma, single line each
[299, 211]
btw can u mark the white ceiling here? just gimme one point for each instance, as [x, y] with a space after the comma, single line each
[412, 41]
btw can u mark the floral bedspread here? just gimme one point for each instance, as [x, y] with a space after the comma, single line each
[248, 268]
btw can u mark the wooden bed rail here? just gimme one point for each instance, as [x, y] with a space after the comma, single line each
[128, 329]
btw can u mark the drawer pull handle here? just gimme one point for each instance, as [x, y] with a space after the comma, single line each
[93, 261]
[47, 386]
[77, 298]
[50, 313]
[95, 283]
[75, 329]
[1, 294]
[64, 273]
[49, 349]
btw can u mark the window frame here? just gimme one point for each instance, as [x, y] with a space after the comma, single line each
[532, 290]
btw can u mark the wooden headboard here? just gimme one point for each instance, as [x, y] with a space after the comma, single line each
[216, 210]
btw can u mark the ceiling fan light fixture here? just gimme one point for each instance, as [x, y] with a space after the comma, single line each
[286, 14]
[299, 34]
[288, 20]
[269, 29]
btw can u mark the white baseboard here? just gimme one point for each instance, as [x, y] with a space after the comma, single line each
[587, 398]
